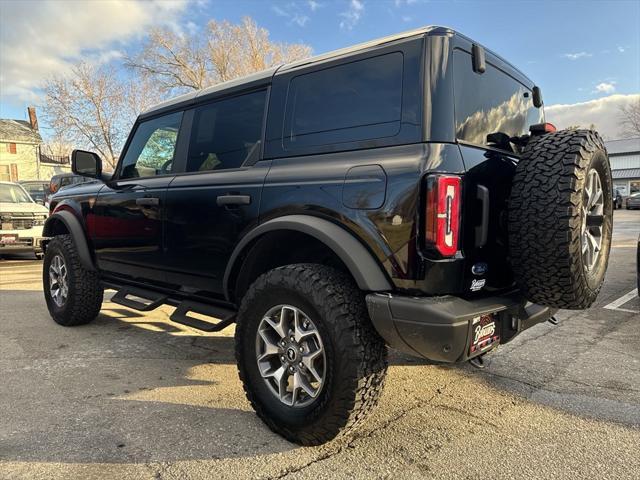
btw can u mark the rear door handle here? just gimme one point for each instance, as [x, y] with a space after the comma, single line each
[227, 200]
[148, 201]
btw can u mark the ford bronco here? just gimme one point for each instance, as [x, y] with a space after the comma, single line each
[405, 192]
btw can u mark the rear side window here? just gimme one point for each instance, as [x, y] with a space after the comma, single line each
[357, 101]
[226, 133]
[490, 102]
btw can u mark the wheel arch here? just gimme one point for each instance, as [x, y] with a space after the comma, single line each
[65, 222]
[359, 262]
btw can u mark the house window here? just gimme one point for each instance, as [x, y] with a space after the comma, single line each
[5, 173]
[11, 147]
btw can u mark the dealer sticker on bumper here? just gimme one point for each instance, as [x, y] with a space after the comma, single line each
[485, 333]
[8, 238]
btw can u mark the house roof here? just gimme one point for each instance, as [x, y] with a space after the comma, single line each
[621, 147]
[625, 173]
[18, 131]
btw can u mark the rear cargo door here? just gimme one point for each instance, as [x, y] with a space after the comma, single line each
[490, 108]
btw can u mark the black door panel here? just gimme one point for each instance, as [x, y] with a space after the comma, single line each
[126, 223]
[207, 214]
[126, 227]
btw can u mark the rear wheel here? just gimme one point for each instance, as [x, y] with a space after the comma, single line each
[310, 361]
[73, 293]
[560, 219]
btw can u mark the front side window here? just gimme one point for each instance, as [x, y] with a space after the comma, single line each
[152, 148]
[225, 134]
[490, 102]
[356, 101]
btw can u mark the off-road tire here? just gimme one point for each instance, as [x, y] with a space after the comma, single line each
[85, 291]
[545, 218]
[355, 353]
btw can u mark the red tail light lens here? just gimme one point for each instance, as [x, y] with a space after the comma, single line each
[442, 225]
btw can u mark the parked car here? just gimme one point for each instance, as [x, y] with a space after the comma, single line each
[617, 199]
[63, 180]
[390, 196]
[37, 189]
[633, 201]
[21, 221]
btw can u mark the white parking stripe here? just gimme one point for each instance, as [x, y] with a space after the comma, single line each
[615, 305]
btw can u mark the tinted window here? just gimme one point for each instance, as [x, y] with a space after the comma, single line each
[152, 148]
[490, 102]
[357, 101]
[226, 133]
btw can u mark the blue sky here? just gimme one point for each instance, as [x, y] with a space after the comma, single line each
[567, 47]
[576, 51]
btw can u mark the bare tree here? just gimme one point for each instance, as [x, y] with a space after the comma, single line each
[629, 119]
[224, 51]
[94, 107]
[57, 146]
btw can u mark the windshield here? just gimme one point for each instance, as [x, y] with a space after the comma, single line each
[36, 190]
[13, 194]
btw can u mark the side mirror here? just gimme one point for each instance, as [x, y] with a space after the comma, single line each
[87, 164]
[537, 97]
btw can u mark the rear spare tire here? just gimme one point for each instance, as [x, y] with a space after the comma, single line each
[560, 218]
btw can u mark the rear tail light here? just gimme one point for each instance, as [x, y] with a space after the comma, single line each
[442, 225]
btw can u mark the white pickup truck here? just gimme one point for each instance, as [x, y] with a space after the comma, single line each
[21, 221]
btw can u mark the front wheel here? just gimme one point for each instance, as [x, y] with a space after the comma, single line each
[73, 293]
[311, 363]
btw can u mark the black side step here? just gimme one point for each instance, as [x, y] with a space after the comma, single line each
[224, 316]
[154, 299]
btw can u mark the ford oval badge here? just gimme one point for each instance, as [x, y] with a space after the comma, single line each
[480, 268]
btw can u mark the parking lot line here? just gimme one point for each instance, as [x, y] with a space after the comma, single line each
[616, 304]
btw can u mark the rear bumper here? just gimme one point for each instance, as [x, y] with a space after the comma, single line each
[441, 328]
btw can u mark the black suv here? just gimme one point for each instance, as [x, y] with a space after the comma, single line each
[404, 192]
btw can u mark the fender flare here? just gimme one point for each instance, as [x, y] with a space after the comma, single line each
[76, 231]
[364, 268]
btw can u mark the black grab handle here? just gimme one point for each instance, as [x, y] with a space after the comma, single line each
[482, 230]
[227, 200]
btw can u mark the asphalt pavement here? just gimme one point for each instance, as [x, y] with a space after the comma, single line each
[134, 395]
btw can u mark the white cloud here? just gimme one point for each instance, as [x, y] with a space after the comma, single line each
[299, 19]
[41, 39]
[603, 113]
[576, 56]
[407, 18]
[605, 87]
[279, 11]
[400, 3]
[621, 49]
[352, 15]
[313, 5]
[293, 14]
